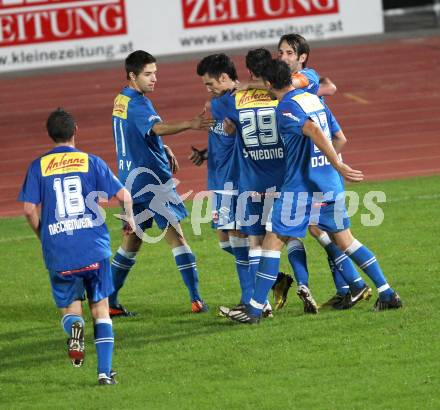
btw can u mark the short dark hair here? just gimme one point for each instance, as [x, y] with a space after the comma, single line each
[298, 43]
[257, 59]
[215, 65]
[60, 125]
[278, 74]
[136, 61]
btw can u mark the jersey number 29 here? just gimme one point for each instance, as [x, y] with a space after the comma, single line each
[258, 127]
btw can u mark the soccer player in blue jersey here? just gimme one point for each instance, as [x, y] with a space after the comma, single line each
[294, 50]
[312, 192]
[75, 240]
[219, 75]
[144, 169]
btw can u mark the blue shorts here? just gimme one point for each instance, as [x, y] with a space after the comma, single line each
[252, 215]
[223, 211]
[291, 217]
[95, 279]
[168, 212]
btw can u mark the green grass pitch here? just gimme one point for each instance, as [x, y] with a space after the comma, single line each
[168, 358]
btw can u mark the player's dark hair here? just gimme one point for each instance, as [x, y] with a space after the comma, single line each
[257, 59]
[298, 43]
[278, 74]
[215, 65]
[60, 125]
[136, 61]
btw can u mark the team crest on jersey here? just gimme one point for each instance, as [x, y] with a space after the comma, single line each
[120, 106]
[254, 98]
[64, 163]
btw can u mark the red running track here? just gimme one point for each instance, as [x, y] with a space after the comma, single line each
[388, 103]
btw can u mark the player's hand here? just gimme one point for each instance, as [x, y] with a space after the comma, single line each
[229, 127]
[198, 156]
[129, 224]
[349, 173]
[201, 122]
[240, 87]
[174, 165]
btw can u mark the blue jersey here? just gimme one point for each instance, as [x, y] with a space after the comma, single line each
[260, 151]
[137, 147]
[221, 152]
[307, 168]
[313, 78]
[66, 182]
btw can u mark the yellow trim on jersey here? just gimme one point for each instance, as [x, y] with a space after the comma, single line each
[308, 102]
[64, 163]
[253, 99]
[120, 106]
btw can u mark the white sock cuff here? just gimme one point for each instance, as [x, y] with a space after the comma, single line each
[383, 288]
[271, 254]
[353, 247]
[324, 239]
[126, 254]
[224, 244]
[63, 319]
[254, 253]
[180, 250]
[256, 305]
[295, 244]
[237, 242]
[106, 321]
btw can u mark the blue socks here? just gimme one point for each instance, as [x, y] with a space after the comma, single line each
[122, 262]
[186, 263]
[254, 262]
[68, 320]
[104, 342]
[240, 248]
[340, 284]
[266, 276]
[345, 275]
[366, 261]
[298, 261]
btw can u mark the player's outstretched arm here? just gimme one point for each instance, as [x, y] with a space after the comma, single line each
[124, 198]
[199, 122]
[247, 85]
[326, 87]
[33, 217]
[311, 130]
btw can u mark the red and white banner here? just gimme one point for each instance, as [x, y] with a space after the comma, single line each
[45, 33]
[199, 13]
